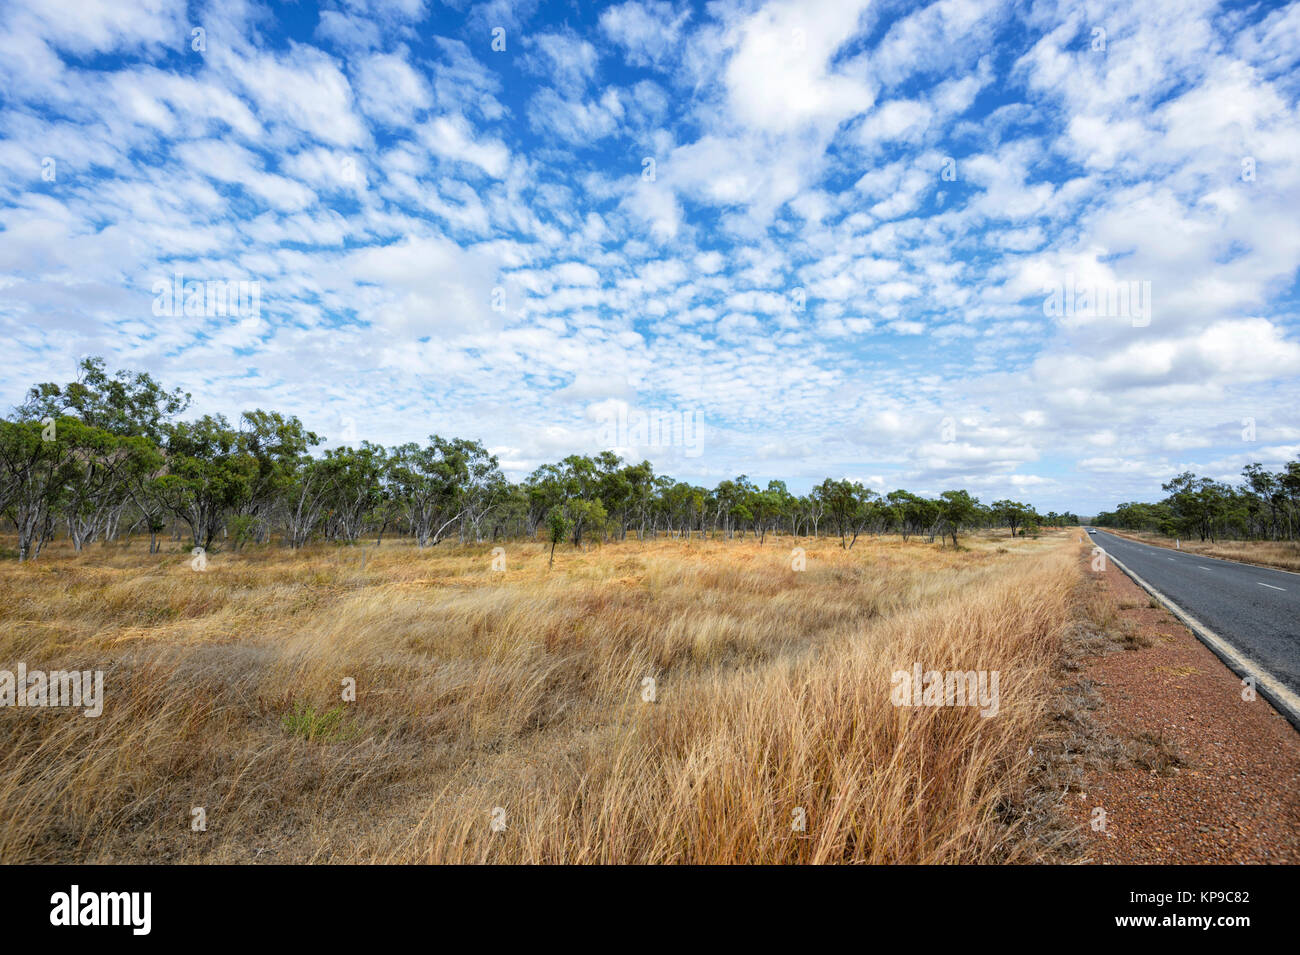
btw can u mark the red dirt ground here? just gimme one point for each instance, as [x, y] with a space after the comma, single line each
[1233, 794]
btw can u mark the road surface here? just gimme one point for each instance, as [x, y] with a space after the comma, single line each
[1254, 609]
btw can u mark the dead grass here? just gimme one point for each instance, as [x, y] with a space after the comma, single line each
[1073, 741]
[1079, 740]
[522, 691]
[1156, 753]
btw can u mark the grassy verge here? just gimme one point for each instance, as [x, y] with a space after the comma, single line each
[507, 716]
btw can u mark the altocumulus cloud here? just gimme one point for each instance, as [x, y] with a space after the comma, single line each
[828, 228]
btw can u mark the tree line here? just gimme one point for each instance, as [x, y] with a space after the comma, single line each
[1264, 506]
[108, 456]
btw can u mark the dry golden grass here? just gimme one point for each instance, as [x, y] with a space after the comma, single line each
[1284, 555]
[522, 690]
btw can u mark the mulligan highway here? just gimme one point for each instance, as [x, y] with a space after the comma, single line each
[1254, 609]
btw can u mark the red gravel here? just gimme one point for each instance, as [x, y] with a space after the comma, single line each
[1234, 794]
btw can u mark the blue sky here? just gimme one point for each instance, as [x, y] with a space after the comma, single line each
[829, 231]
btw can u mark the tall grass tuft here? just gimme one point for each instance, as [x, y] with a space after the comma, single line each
[503, 717]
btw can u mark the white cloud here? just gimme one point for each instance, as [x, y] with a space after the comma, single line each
[649, 32]
[390, 91]
[780, 77]
[452, 138]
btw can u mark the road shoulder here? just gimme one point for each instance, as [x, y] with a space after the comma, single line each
[1195, 773]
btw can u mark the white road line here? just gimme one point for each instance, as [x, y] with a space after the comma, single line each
[1224, 560]
[1204, 568]
[1281, 696]
[1262, 584]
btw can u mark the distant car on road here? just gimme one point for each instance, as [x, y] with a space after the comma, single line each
[1092, 530]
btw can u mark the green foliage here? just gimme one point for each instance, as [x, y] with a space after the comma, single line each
[957, 510]
[104, 453]
[850, 507]
[125, 404]
[240, 527]
[1012, 514]
[1266, 505]
[558, 524]
[326, 726]
[439, 484]
[209, 474]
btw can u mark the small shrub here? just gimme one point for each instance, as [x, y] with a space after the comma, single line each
[1131, 637]
[328, 726]
[1156, 753]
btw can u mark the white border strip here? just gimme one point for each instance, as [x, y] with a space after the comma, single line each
[1283, 699]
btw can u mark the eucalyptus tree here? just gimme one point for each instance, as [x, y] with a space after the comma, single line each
[1289, 486]
[755, 509]
[781, 502]
[813, 507]
[725, 498]
[1011, 513]
[104, 467]
[510, 516]
[112, 447]
[849, 508]
[957, 511]
[209, 475]
[284, 478]
[126, 403]
[640, 479]
[438, 484]
[614, 489]
[483, 494]
[1263, 495]
[912, 513]
[351, 487]
[36, 465]
[572, 487]
[544, 490]
[1197, 503]
[558, 526]
[117, 424]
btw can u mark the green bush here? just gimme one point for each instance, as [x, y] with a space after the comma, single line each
[328, 726]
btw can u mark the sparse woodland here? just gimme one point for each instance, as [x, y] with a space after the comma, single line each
[1265, 506]
[484, 699]
[107, 458]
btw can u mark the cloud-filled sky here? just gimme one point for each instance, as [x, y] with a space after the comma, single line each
[850, 238]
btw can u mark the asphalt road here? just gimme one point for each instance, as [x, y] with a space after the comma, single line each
[1254, 609]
